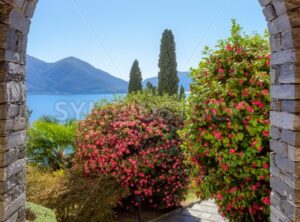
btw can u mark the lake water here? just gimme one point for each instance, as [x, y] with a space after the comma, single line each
[64, 106]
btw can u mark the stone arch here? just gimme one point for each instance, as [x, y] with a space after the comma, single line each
[283, 17]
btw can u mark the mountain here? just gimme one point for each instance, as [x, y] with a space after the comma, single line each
[184, 80]
[70, 76]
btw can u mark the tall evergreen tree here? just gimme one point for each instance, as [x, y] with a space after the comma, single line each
[167, 76]
[135, 81]
[181, 93]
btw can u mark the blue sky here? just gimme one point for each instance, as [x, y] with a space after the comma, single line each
[110, 34]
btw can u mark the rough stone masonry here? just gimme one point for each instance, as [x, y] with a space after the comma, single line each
[283, 17]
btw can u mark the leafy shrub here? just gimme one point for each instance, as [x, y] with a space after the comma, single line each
[137, 147]
[227, 128]
[39, 213]
[51, 143]
[73, 196]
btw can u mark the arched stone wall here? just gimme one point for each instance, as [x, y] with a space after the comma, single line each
[283, 17]
[15, 18]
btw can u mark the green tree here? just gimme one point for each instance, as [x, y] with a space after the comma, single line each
[167, 76]
[150, 88]
[135, 81]
[182, 93]
[51, 143]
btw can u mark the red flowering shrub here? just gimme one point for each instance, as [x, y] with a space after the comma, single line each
[226, 132]
[138, 148]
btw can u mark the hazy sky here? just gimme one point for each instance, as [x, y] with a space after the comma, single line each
[110, 34]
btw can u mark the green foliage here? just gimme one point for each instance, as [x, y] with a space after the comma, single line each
[41, 214]
[167, 76]
[135, 80]
[73, 196]
[150, 88]
[226, 133]
[51, 143]
[182, 93]
[157, 103]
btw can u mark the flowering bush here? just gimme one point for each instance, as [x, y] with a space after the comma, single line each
[226, 132]
[138, 148]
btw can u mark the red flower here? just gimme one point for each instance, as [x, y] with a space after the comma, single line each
[239, 50]
[254, 187]
[221, 71]
[266, 133]
[266, 200]
[265, 166]
[228, 47]
[217, 134]
[232, 151]
[265, 92]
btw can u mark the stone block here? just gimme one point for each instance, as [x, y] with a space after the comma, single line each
[8, 210]
[275, 200]
[269, 12]
[12, 141]
[12, 169]
[279, 147]
[15, 180]
[274, 131]
[290, 137]
[279, 6]
[275, 42]
[287, 40]
[9, 157]
[274, 73]
[285, 91]
[285, 120]
[284, 164]
[291, 106]
[9, 56]
[19, 22]
[282, 57]
[30, 7]
[264, 3]
[278, 216]
[294, 153]
[282, 189]
[279, 24]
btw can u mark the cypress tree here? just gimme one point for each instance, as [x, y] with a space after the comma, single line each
[135, 79]
[167, 76]
[182, 93]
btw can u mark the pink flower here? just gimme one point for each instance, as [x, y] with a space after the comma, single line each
[265, 166]
[264, 92]
[266, 200]
[266, 133]
[217, 134]
[232, 151]
[219, 197]
[221, 71]
[239, 50]
[228, 47]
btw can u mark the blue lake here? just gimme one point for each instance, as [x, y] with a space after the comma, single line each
[64, 106]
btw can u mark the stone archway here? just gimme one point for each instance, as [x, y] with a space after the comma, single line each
[283, 17]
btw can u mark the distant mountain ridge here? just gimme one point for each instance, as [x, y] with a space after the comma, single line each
[70, 76]
[74, 76]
